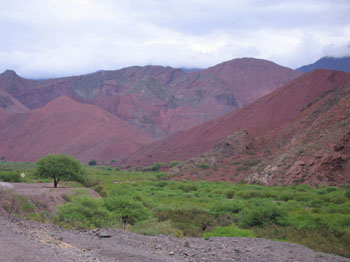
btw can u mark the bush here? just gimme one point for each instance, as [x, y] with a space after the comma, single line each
[10, 176]
[92, 162]
[127, 210]
[188, 188]
[261, 214]
[84, 213]
[156, 166]
[229, 231]
[251, 162]
[225, 207]
[174, 163]
[192, 222]
[162, 176]
[347, 193]
[230, 194]
[204, 165]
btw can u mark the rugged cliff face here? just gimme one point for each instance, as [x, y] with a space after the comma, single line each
[157, 100]
[305, 140]
[260, 118]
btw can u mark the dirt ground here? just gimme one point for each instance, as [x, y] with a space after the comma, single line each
[46, 194]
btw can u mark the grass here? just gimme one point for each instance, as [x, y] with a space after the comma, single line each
[148, 203]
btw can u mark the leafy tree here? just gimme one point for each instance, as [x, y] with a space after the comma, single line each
[59, 167]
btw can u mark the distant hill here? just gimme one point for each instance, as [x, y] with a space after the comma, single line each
[66, 126]
[157, 100]
[328, 63]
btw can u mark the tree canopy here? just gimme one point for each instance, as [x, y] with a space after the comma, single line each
[59, 167]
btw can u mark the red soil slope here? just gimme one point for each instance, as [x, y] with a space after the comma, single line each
[260, 118]
[82, 130]
[159, 100]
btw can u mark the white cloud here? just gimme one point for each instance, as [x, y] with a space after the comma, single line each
[64, 37]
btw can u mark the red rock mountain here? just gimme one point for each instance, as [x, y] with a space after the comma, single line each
[157, 100]
[263, 117]
[63, 125]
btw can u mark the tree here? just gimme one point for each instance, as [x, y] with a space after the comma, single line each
[59, 167]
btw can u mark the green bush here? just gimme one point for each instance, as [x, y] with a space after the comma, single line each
[204, 165]
[127, 210]
[174, 163]
[162, 176]
[188, 188]
[156, 166]
[347, 193]
[92, 162]
[84, 213]
[225, 207]
[10, 176]
[261, 214]
[230, 194]
[251, 162]
[229, 231]
[192, 222]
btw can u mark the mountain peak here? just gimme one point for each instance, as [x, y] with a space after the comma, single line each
[328, 63]
[9, 72]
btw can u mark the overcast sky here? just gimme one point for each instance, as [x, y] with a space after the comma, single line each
[46, 38]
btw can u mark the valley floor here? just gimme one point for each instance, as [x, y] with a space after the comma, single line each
[22, 240]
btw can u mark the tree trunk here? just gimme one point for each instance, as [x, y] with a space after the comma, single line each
[55, 182]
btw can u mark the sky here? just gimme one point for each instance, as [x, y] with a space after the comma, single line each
[52, 38]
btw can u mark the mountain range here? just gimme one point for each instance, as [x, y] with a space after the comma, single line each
[329, 63]
[245, 119]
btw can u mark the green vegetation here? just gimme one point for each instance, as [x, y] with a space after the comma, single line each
[148, 203]
[155, 167]
[174, 163]
[59, 167]
[92, 162]
[204, 165]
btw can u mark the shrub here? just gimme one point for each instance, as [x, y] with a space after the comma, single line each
[204, 165]
[192, 222]
[156, 166]
[162, 176]
[229, 231]
[230, 194]
[188, 188]
[251, 162]
[347, 193]
[174, 163]
[127, 210]
[10, 176]
[261, 214]
[92, 162]
[225, 207]
[84, 213]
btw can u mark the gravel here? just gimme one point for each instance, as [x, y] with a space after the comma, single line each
[32, 241]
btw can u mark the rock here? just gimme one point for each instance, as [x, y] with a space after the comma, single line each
[104, 235]
[4, 185]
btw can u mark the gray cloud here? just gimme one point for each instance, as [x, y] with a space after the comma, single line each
[63, 37]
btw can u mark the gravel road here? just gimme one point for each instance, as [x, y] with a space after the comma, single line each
[31, 241]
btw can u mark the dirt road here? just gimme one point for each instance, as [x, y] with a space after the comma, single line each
[36, 242]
